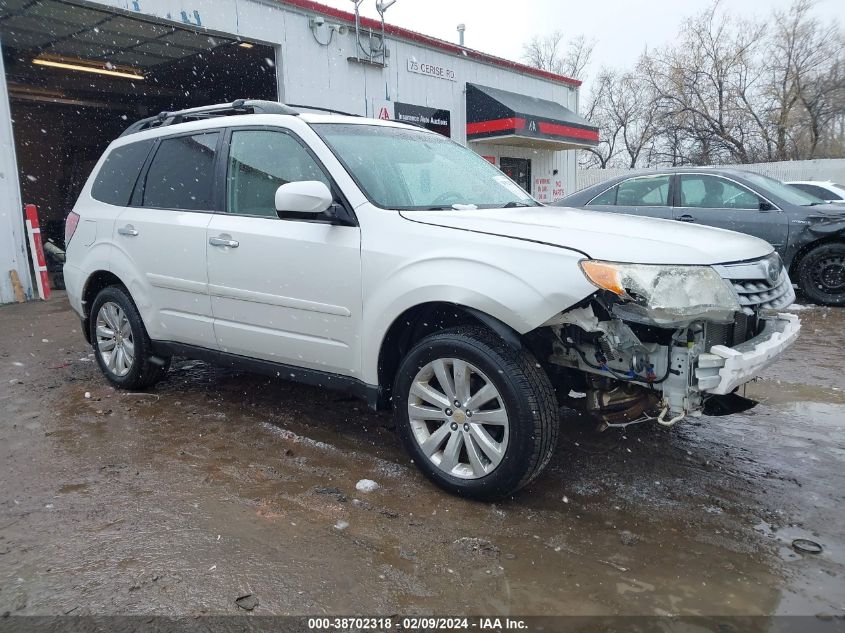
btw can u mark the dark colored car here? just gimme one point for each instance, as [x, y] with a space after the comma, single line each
[807, 233]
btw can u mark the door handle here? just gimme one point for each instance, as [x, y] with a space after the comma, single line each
[223, 241]
[685, 218]
[128, 230]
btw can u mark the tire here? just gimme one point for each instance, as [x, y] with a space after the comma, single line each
[492, 459]
[139, 369]
[821, 274]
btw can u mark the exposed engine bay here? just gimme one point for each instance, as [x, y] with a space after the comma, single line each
[633, 372]
[630, 365]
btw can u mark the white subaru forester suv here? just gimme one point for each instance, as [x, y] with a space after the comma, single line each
[388, 261]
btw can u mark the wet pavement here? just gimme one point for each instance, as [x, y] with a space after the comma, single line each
[218, 484]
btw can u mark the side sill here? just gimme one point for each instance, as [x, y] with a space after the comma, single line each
[371, 394]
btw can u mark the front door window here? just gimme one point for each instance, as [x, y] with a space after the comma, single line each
[711, 192]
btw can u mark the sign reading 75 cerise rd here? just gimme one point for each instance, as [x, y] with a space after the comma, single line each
[431, 70]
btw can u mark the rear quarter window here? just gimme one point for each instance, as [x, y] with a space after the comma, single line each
[116, 179]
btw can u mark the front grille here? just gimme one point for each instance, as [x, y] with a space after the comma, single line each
[756, 294]
[754, 286]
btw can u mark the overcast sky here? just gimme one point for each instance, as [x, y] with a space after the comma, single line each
[621, 28]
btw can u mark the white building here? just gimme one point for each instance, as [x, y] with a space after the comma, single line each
[77, 73]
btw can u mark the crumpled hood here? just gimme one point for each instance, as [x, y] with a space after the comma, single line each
[604, 235]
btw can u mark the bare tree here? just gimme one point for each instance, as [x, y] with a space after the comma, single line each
[707, 75]
[551, 53]
[823, 99]
[726, 90]
[626, 112]
[607, 149]
[806, 79]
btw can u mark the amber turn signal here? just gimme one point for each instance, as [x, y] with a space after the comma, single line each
[604, 275]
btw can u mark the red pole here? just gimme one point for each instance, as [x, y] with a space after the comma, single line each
[37, 251]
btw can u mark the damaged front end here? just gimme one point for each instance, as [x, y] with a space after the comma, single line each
[664, 342]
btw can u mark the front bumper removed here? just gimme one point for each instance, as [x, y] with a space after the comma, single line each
[724, 368]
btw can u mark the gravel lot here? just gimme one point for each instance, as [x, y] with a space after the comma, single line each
[220, 484]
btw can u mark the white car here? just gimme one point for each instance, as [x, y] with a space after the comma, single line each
[393, 263]
[827, 191]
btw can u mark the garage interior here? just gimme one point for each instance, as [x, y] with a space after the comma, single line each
[77, 76]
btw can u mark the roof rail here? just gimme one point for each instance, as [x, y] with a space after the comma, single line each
[321, 109]
[239, 106]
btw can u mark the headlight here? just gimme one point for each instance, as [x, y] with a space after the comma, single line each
[664, 294]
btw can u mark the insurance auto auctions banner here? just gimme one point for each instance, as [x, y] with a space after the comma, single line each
[434, 119]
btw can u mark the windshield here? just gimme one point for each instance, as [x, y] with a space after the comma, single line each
[399, 168]
[784, 191]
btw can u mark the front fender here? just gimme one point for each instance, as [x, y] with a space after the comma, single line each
[523, 295]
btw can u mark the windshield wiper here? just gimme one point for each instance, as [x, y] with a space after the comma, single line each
[513, 204]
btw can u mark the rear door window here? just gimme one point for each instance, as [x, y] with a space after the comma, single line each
[643, 191]
[119, 173]
[181, 175]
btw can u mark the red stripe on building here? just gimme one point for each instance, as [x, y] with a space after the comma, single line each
[496, 125]
[419, 38]
[556, 129]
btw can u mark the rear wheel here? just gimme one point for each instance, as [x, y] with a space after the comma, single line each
[821, 274]
[121, 344]
[478, 417]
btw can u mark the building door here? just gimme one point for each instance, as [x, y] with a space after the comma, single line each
[518, 170]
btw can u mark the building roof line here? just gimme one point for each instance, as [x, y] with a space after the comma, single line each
[420, 38]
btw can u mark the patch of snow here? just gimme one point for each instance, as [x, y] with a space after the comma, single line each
[797, 307]
[366, 485]
[88, 394]
[293, 437]
[341, 525]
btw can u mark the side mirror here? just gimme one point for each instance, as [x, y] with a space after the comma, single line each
[766, 206]
[306, 197]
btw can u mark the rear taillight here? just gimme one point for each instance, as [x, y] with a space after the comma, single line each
[71, 223]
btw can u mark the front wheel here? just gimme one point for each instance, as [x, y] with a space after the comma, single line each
[478, 417]
[821, 274]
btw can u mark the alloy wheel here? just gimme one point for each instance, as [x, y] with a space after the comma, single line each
[115, 340]
[458, 417]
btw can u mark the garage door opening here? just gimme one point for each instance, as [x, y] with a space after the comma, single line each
[78, 76]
